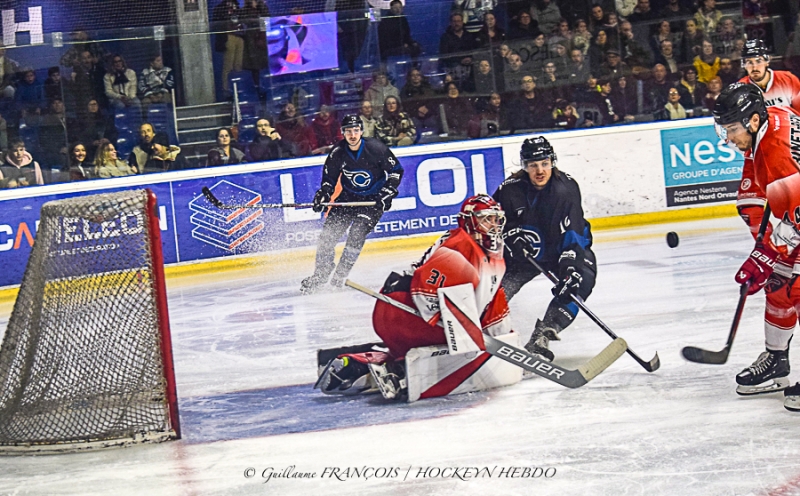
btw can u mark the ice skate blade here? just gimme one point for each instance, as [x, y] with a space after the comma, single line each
[777, 385]
[792, 403]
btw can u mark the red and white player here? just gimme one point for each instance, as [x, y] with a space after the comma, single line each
[780, 88]
[461, 271]
[770, 138]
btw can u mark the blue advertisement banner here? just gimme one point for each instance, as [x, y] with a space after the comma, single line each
[430, 194]
[698, 166]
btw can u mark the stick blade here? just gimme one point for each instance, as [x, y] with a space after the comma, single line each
[210, 197]
[602, 360]
[653, 364]
[699, 355]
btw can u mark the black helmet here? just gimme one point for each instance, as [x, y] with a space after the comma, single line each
[737, 103]
[755, 48]
[352, 120]
[537, 148]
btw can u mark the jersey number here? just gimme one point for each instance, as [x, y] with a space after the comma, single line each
[437, 278]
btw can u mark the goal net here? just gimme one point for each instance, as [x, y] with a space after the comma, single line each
[86, 361]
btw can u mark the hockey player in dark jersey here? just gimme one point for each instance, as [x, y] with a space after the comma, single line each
[545, 222]
[367, 170]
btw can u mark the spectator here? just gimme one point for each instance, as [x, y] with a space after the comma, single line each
[88, 81]
[726, 37]
[395, 127]
[229, 39]
[107, 164]
[673, 9]
[156, 83]
[457, 42]
[79, 168]
[29, 96]
[120, 85]
[353, 23]
[691, 41]
[254, 53]
[692, 91]
[140, 153]
[490, 34]
[525, 28]
[92, 127]
[8, 74]
[611, 27]
[81, 42]
[597, 52]
[324, 131]
[163, 156]
[663, 33]
[581, 37]
[713, 91]
[53, 136]
[563, 33]
[565, 116]
[457, 111]
[674, 108]
[657, 90]
[514, 73]
[224, 153]
[537, 54]
[490, 120]
[293, 130]
[597, 17]
[625, 7]
[666, 57]
[474, 12]
[560, 58]
[623, 97]
[368, 121]
[417, 96]
[707, 63]
[642, 13]
[633, 53]
[547, 14]
[379, 90]
[791, 58]
[52, 85]
[484, 78]
[551, 84]
[738, 46]
[603, 102]
[585, 94]
[579, 72]
[529, 111]
[707, 17]
[726, 72]
[267, 144]
[613, 67]
[394, 34]
[19, 169]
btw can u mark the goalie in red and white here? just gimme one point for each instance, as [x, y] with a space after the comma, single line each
[455, 288]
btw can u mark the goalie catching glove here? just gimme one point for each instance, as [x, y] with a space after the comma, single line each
[757, 268]
[323, 195]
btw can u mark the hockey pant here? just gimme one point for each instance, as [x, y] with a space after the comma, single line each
[780, 316]
[360, 221]
[400, 330]
[557, 314]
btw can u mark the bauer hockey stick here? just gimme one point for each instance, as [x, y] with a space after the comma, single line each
[521, 358]
[699, 355]
[650, 366]
[229, 206]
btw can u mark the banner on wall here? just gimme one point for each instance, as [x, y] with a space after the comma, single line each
[433, 187]
[699, 167]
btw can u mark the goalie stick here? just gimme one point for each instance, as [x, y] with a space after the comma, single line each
[521, 358]
[650, 366]
[699, 355]
[228, 206]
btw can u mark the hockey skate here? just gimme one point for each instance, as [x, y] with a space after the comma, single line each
[311, 284]
[346, 376]
[540, 340]
[791, 398]
[390, 378]
[768, 374]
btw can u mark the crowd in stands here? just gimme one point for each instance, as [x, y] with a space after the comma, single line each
[551, 64]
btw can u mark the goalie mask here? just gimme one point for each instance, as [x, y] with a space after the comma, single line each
[483, 219]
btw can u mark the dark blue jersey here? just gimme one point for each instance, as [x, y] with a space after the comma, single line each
[364, 172]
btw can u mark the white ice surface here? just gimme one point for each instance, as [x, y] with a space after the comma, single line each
[245, 360]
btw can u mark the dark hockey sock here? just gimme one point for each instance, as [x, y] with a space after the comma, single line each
[559, 316]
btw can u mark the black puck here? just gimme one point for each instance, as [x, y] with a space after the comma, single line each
[672, 239]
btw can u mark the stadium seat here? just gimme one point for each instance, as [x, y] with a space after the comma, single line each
[126, 140]
[160, 116]
[397, 68]
[30, 135]
[245, 88]
[247, 130]
[129, 118]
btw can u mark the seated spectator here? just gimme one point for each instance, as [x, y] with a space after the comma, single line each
[9, 68]
[53, 136]
[582, 37]
[525, 28]
[613, 67]
[635, 54]
[490, 34]
[738, 46]
[666, 57]
[707, 63]
[79, 168]
[19, 169]
[559, 56]
[224, 153]
[395, 127]
[584, 94]
[94, 126]
[267, 144]
[611, 27]
[514, 73]
[692, 91]
[623, 97]
[727, 73]
[140, 153]
[537, 55]
[673, 9]
[87, 82]
[663, 33]
[565, 116]
[293, 131]
[120, 85]
[491, 118]
[708, 17]
[52, 85]
[674, 108]
[603, 102]
[597, 17]
[324, 132]
[712, 92]
[579, 71]
[483, 79]
[457, 111]
[456, 42]
[691, 41]
[379, 90]
[656, 90]
[156, 83]
[107, 164]
[163, 156]
[725, 41]
[551, 83]
[367, 120]
[473, 12]
[29, 95]
[597, 52]
[81, 42]
[528, 110]
[394, 34]
[547, 14]
[418, 100]
[642, 13]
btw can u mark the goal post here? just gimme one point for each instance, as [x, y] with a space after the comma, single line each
[86, 359]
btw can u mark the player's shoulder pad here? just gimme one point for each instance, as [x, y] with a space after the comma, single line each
[375, 145]
[336, 150]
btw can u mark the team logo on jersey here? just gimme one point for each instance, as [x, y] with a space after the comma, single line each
[361, 179]
[746, 183]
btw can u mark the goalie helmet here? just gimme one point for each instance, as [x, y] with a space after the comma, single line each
[755, 48]
[352, 120]
[535, 149]
[737, 103]
[483, 219]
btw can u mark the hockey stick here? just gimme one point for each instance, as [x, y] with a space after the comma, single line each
[650, 366]
[699, 355]
[227, 206]
[521, 358]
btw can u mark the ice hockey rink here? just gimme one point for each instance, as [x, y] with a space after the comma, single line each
[245, 343]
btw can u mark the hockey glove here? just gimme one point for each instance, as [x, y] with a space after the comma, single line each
[323, 196]
[388, 192]
[521, 243]
[757, 268]
[569, 284]
[775, 282]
